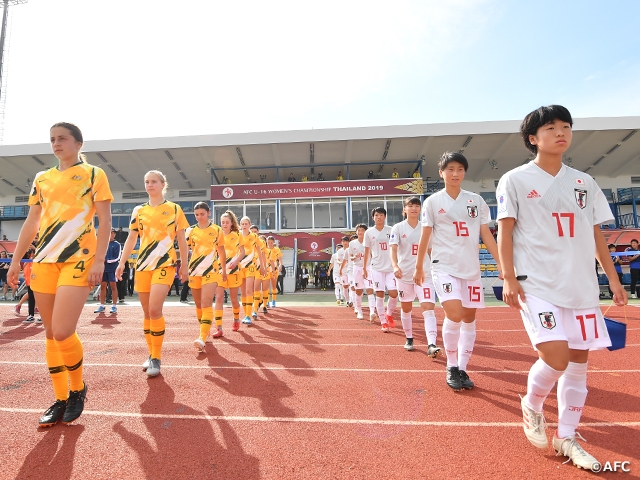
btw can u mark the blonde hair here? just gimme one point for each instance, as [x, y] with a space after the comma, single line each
[233, 218]
[163, 179]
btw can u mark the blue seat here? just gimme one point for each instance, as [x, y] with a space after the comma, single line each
[626, 279]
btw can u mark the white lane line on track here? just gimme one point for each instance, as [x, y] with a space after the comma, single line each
[317, 369]
[351, 421]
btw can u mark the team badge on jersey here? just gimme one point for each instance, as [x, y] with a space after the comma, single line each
[547, 320]
[473, 211]
[581, 197]
[447, 288]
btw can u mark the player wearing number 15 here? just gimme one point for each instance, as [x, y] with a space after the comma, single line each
[158, 223]
[69, 259]
[550, 216]
[452, 220]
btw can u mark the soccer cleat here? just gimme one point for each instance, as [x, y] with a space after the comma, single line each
[54, 413]
[254, 314]
[114, 309]
[199, 344]
[390, 321]
[339, 302]
[373, 316]
[17, 309]
[75, 405]
[264, 309]
[38, 321]
[154, 367]
[408, 344]
[100, 309]
[359, 315]
[218, 333]
[247, 320]
[3, 298]
[273, 304]
[146, 363]
[349, 304]
[433, 351]
[236, 325]
[453, 378]
[29, 320]
[534, 426]
[465, 381]
[569, 447]
[385, 328]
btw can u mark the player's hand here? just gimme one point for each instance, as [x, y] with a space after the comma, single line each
[365, 274]
[95, 274]
[397, 272]
[500, 275]
[184, 273]
[119, 272]
[513, 294]
[620, 297]
[13, 275]
[224, 276]
[418, 276]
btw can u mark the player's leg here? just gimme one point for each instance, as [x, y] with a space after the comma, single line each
[114, 296]
[427, 297]
[466, 343]
[206, 294]
[235, 304]
[392, 289]
[248, 297]
[218, 308]
[407, 295]
[157, 295]
[103, 295]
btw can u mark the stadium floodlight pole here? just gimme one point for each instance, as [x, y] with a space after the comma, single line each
[5, 16]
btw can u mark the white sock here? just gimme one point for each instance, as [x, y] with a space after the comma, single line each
[391, 305]
[358, 302]
[541, 380]
[380, 308]
[407, 324]
[372, 303]
[352, 296]
[337, 290]
[430, 326]
[450, 338]
[345, 293]
[466, 342]
[572, 394]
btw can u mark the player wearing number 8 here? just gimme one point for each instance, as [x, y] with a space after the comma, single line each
[452, 220]
[549, 233]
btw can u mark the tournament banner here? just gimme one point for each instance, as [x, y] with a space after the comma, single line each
[339, 188]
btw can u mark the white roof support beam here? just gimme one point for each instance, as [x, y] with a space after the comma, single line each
[498, 152]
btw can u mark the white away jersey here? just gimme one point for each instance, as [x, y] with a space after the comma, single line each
[339, 259]
[407, 238]
[356, 250]
[378, 243]
[456, 230]
[553, 242]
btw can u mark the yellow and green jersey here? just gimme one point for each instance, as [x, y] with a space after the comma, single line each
[204, 243]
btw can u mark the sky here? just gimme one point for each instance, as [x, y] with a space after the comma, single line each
[156, 68]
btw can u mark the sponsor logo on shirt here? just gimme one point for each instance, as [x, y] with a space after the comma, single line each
[472, 211]
[581, 197]
[533, 194]
[441, 211]
[547, 320]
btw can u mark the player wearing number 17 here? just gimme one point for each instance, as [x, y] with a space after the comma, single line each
[452, 220]
[550, 216]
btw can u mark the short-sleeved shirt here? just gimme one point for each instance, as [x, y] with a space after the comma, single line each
[232, 243]
[407, 239]
[340, 253]
[204, 243]
[68, 206]
[250, 252]
[456, 232]
[553, 238]
[157, 227]
[378, 243]
[356, 249]
[275, 254]
[260, 245]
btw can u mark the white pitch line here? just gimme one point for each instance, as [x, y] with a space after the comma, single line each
[302, 369]
[348, 421]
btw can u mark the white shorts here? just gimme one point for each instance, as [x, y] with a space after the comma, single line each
[408, 292]
[344, 280]
[359, 281]
[448, 287]
[337, 280]
[382, 280]
[583, 329]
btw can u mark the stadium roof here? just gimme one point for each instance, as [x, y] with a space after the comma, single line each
[606, 146]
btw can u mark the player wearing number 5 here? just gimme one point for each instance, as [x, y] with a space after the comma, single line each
[452, 220]
[550, 216]
[158, 223]
[69, 259]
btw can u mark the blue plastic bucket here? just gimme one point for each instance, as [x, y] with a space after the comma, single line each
[617, 333]
[497, 291]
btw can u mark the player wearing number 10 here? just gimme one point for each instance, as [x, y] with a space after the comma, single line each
[550, 216]
[452, 220]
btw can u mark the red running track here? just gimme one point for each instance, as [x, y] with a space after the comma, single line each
[307, 392]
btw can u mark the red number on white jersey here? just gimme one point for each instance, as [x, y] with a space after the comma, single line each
[581, 319]
[414, 249]
[383, 246]
[461, 229]
[474, 293]
[559, 216]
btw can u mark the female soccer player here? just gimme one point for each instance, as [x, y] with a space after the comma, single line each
[275, 259]
[158, 223]
[550, 215]
[234, 251]
[206, 242]
[249, 265]
[452, 221]
[405, 237]
[263, 278]
[69, 259]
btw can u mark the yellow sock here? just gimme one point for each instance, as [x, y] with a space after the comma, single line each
[57, 370]
[205, 323]
[273, 296]
[265, 299]
[199, 314]
[71, 352]
[236, 313]
[217, 315]
[247, 304]
[256, 300]
[157, 337]
[146, 325]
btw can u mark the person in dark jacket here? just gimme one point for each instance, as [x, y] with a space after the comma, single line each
[114, 250]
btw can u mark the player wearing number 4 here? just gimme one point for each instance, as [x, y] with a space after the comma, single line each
[550, 215]
[452, 221]
[405, 237]
[158, 223]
